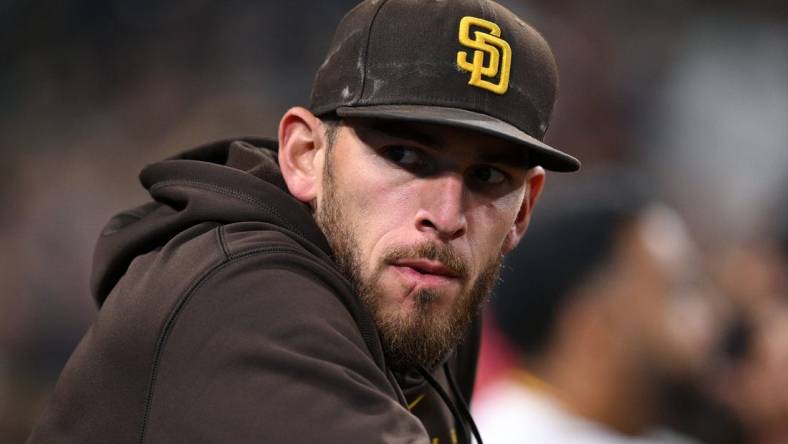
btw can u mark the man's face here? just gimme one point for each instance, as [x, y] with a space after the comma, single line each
[419, 217]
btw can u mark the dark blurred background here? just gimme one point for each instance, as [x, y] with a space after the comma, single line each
[693, 92]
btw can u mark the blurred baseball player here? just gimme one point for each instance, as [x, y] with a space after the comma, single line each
[324, 287]
[612, 319]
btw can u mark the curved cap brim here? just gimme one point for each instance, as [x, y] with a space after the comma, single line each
[541, 153]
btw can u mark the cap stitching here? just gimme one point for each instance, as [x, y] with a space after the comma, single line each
[366, 52]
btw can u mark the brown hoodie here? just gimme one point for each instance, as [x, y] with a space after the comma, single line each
[223, 319]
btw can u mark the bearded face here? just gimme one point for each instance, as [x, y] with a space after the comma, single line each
[418, 217]
[425, 333]
[421, 329]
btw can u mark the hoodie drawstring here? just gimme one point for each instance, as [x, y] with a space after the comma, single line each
[463, 405]
[458, 417]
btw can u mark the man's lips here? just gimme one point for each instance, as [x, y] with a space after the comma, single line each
[425, 273]
[425, 266]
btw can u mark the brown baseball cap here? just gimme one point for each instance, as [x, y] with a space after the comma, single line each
[464, 63]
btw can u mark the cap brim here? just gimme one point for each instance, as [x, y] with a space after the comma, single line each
[541, 153]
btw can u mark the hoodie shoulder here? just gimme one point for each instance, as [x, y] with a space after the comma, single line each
[224, 182]
[264, 335]
[222, 324]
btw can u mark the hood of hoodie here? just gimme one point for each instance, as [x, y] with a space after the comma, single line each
[228, 181]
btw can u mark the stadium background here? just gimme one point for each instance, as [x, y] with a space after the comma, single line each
[693, 92]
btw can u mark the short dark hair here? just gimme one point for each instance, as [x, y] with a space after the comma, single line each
[570, 238]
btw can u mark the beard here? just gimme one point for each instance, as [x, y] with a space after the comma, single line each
[425, 335]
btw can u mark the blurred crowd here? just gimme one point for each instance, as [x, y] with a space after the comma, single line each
[663, 317]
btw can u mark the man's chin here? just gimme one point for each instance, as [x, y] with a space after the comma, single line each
[409, 345]
[418, 308]
[420, 324]
[422, 296]
[417, 331]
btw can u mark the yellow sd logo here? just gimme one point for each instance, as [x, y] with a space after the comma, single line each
[498, 50]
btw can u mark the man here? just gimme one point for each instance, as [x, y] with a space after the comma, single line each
[322, 293]
[609, 318]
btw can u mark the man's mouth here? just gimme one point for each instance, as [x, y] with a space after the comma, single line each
[426, 273]
[425, 266]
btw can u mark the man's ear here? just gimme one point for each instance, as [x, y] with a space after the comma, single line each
[301, 154]
[534, 185]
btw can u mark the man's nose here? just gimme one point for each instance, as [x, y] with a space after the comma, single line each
[441, 211]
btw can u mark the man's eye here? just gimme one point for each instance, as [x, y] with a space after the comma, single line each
[489, 175]
[403, 155]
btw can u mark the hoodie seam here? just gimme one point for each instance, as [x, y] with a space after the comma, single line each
[365, 50]
[175, 312]
[220, 237]
[231, 193]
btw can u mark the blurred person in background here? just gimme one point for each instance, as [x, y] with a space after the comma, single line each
[753, 381]
[610, 317]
